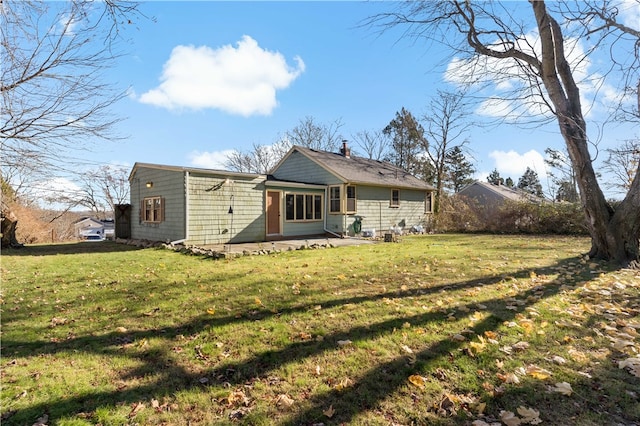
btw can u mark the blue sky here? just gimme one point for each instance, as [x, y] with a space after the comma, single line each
[208, 77]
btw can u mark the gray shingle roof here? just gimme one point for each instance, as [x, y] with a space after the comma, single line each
[362, 170]
[505, 192]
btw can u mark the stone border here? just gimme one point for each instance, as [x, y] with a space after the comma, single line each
[216, 254]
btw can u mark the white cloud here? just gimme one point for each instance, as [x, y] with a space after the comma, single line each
[630, 12]
[240, 80]
[210, 160]
[512, 164]
[513, 96]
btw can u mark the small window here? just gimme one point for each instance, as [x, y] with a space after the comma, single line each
[152, 210]
[395, 198]
[428, 203]
[334, 199]
[351, 199]
[303, 207]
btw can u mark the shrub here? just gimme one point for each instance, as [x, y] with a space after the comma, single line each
[461, 214]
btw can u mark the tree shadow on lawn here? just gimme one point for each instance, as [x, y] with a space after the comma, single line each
[80, 247]
[364, 395]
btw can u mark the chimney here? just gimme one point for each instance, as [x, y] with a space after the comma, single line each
[345, 151]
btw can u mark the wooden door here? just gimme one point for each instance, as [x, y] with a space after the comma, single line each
[273, 212]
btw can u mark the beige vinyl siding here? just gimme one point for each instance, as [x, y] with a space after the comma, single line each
[209, 219]
[374, 205]
[166, 184]
[299, 168]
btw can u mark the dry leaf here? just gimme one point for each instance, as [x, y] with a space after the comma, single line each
[520, 346]
[329, 412]
[135, 409]
[459, 338]
[317, 370]
[283, 400]
[529, 415]
[563, 388]
[491, 335]
[259, 302]
[633, 364]
[510, 378]
[42, 420]
[417, 380]
[344, 342]
[537, 372]
[211, 311]
[407, 349]
[236, 398]
[509, 418]
[344, 383]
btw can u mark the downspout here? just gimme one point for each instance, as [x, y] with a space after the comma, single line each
[326, 213]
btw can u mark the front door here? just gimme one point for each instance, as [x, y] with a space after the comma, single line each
[273, 212]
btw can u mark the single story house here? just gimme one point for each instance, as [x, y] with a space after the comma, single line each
[491, 196]
[91, 228]
[308, 193]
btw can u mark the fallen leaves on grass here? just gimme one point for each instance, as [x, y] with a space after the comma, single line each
[537, 372]
[563, 388]
[42, 420]
[284, 401]
[632, 365]
[509, 378]
[417, 380]
[237, 398]
[329, 412]
[529, 416]
[135, 409]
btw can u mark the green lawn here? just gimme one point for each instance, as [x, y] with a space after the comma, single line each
[437, 329]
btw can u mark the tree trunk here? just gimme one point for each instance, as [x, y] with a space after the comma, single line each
[9, 224]
[614, 234]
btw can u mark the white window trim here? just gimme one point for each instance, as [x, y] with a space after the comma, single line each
[397, 204]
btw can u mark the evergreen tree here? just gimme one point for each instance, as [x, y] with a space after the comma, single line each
[407, 139]
[509, 182]
[567, 192]
[495, 178]
[458, 170]
[530, 183]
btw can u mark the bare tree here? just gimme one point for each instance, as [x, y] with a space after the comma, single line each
[374, 144]
[260, 159]
[622, 163]
[446, 127]
[565, 181]
[322, 137]
[492, 34]
[56, 101]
